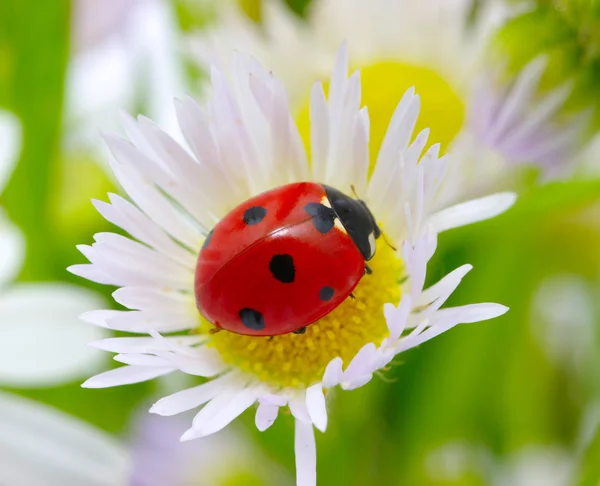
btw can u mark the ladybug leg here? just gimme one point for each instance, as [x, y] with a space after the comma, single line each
[302, 330]
[215, 330]
[368, 270]
[352, 296]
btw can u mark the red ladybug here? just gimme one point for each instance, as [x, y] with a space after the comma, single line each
[283, 259]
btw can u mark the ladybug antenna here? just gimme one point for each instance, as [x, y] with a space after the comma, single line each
[387, 242]
[354, 191]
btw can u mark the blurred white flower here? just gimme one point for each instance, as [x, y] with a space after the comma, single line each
[563, 318]
[40, 446]
[245, 144]
[40, 337]
[125, 56]
[533, 465]
[490, 127]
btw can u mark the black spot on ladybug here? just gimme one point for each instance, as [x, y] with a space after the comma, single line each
[207, 239]
[326, 293]
[252, 319]
[322, 216]
[254, 215]
[282, 268]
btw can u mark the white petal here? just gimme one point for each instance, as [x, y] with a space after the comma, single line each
[126, 375]
[43, 341]
[319, 131]
[361, 365]
[333, 373]
[306, 454]
[397, 317]
[153, 299]
[143, 322]
[472, 211]
[193, 397]
[298, 407]
[203, 361]
[128, 217]
[467, 314]
[444, 288]
[266, 414]
[40, 446]
[220, 412]
[361, 380]
[317, 408]
[142, 360]
[143, 344]
[446, 319]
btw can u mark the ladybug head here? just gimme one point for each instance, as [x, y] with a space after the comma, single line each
[357, 219]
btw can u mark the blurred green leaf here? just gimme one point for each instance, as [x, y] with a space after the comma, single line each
[37, 40]
[590, 465]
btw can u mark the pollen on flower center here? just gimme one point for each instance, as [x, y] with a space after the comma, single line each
[293, 360]
[384, 83]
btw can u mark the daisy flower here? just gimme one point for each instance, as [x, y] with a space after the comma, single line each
[41, 338]
[493, 124]
[244, 143]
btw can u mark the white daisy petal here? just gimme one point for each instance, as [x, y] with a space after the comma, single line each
[333, 373]
[220, 412]
[444, 288]
[361, 364]
[142, 322]
[298, 407]
[472, 211]
[153, 299]
[319, 131]
[126, 375]
[317, 408]
[266, 414]
[143, 344]
[193, 397]
[125, 215]
[306, 454]
[397, 318]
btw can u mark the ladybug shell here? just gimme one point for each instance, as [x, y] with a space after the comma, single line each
[276, 263]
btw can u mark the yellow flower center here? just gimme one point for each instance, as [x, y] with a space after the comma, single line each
[294, 360]
[383, 85]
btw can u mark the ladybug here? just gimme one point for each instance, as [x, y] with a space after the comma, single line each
[284, 259]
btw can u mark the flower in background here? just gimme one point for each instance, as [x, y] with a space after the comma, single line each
[40, 337]
[243, 145]
[158, 458]
[124, 56]
[440, 47]
[563, 320]
[535, 465]
[41, 446]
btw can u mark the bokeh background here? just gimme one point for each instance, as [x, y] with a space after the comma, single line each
[513, 401]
